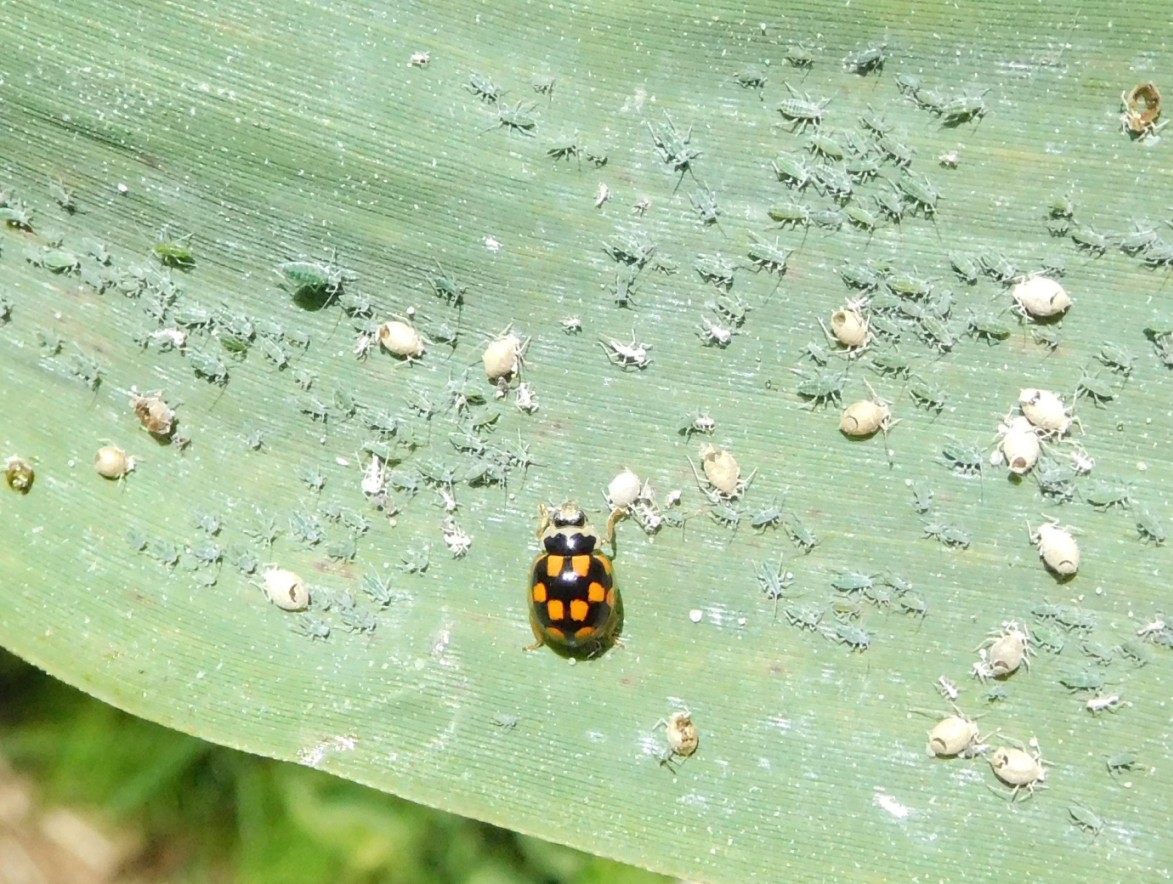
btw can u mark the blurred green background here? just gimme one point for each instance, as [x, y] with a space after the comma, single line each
[176, 808]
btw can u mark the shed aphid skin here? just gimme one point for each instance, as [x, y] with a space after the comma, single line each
[802, 110]
[285, 589]
[1058, 548]
[111, 462]
[627, 356]
[153, 413]
[681, 734]
[19, 474]
[1142, 109]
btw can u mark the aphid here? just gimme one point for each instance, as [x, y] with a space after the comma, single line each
[866, 60]
[1076, 680]
[825, 147]
[1006, 650]
[504, 356]
[890, 362]
[1142, 109]
[1100, 654]
[16, 214]
[1150, 529]
[602, 194]
[515, 118]
[801, 110]
[751, 77]
[774, 582]
[963, 108]
[1087, 239]
[965, 267]
[1040, 297]
[997, 266]
[1074, 619]
[820, 388]
[1116, 358]
[674, 148]
[790, 215]
[112, 462]
[899, 153]
[681, 734]
[802, 537]
[623, 490]
[633, 355]
[285, 589]
[856, 638]
[951, 159]
[1020, 445]
[791, 170]
[987, 327]
[803, 616]
[400, 339]
[715, 269]
[176, 254]
[701, 422]
[419, 59]
[1121, 762]
[314, 282]
[849, 327]
[828, 219]
[705, 204]
[1016, 767]
[922, 498]
[835, 183]
[861, 168]
[770, 257]
[1158, 253]
[1046, 411]
[483, 88]
[1085, 818]
[912, 602]
[861, 277]
[19, 474]
[866, 417]
[963, 460]
[949, 535]
[800, 56]
[953, 735]
[1105, 495]
[722, 472]
[920, 193]
[861, 218]
[1057, 547]
[154, 414]
[55, 260]
[1162, 340]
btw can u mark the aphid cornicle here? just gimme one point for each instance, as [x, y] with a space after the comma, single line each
[574, 604]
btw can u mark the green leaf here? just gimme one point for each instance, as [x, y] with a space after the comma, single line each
[280, 133]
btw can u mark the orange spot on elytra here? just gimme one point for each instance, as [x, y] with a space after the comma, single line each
[555, 609]
[579, 610]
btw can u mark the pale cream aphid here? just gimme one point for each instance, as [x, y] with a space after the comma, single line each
[1040, 297]
[285, 589]
[1057, 547]
[112, 462]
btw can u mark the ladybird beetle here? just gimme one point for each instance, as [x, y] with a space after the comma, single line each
[574, 605]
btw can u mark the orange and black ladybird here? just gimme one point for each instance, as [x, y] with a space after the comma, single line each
[574, 604]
